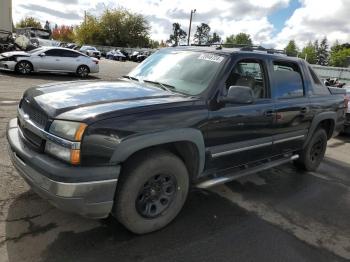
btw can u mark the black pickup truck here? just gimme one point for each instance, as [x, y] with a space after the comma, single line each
[186, 116]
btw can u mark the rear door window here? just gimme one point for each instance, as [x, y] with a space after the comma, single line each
[317, 87]
[67, 53]
[288, 81]
[54, 52]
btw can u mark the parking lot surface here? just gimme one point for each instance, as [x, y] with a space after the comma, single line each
[277, 215]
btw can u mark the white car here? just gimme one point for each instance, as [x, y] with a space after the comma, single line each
[90, 51]
[49, 59]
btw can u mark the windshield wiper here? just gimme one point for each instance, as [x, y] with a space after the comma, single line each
[130, 77]
[165, 87]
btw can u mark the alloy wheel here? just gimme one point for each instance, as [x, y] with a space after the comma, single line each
[83, 71]
[24, 68]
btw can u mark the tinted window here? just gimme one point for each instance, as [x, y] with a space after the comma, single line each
[249, 73]
[317, 88]
[288, 80]
[67, 53]
[54, 52]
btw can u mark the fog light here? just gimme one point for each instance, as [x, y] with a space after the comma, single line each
[69, 155]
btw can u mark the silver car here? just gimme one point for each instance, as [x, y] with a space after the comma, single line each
[49, 59]
[90, 51]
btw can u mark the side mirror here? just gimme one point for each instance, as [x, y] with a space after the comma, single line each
[239, 95]
[42, 54]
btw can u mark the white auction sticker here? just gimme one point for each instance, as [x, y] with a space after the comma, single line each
[211, 57]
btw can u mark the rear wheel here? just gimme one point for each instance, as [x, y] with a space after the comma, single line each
[24, 67]
[151, 192]
[312, 155]
[83, 71]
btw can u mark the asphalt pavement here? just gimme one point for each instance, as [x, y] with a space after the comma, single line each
[278, 215]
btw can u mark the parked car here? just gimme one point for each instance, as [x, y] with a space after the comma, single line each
[90, 51]
[133, 56]
[191, 116]
[142, 56]
[49, 59]
[116, 55]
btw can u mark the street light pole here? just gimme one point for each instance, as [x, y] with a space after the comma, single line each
[189, 30]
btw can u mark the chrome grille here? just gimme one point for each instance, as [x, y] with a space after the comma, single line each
[34, 114]
[38, 118]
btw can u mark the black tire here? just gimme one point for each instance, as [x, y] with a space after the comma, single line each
[24, 67]
[137, 205]
[312, 155]
[83, 71]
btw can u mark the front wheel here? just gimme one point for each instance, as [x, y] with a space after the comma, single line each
[312, 155]
[152, 190]
[24, 67]
[83, 71]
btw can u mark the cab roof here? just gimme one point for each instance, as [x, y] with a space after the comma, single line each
[221, 49]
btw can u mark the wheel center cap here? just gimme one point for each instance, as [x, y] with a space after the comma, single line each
[153, 192]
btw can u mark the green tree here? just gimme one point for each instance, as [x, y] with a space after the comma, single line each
[340, 58]
[239, 39]
[154, 44]
[291, 49]
[309, 53]
[120, 27]
[336, 46]
[340, 55]
[215, 38]
[202, 34]
[178, 35]
[29, 21]
[89, 32]
[116, 27]
[322, 53]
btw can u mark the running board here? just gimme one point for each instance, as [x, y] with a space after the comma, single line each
[224, 179]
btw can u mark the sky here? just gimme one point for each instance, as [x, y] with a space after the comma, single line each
[271, 23]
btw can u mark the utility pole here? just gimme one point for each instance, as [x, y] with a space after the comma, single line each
[189, 30]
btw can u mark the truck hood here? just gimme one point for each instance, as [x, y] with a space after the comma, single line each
[80, 100]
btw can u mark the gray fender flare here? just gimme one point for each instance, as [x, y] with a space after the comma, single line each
[133, 144]
[316, 121]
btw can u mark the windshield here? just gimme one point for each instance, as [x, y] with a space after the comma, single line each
[36, 50]
[186, 72]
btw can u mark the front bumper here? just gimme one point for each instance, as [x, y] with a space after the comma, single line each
[8, 65]
[92, 199]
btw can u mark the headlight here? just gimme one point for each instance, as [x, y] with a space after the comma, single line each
[68, 130]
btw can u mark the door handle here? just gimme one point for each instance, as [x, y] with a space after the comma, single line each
[268, 113]
[304, 110]
[57, 60]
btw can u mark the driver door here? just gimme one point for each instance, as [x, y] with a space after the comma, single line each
[238, 134]
[51, 61]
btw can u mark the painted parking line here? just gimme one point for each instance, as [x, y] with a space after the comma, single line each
[8, 102]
